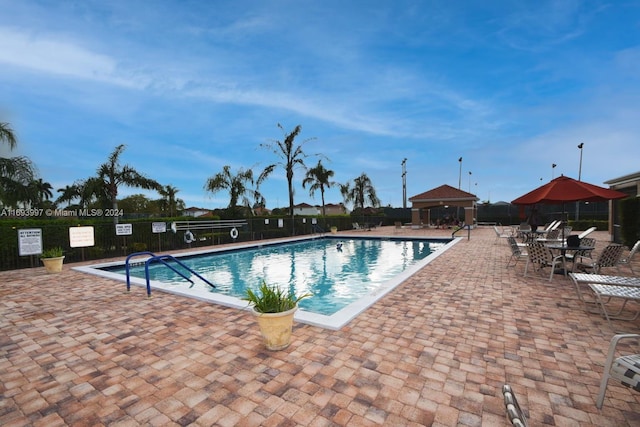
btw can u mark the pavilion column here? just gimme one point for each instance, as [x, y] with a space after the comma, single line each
[415, 216]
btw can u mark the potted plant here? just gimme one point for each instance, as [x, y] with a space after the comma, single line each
[274, 309]
[52, 259]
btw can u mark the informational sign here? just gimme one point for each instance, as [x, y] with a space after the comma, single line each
[314, 220]
[81, 237]
[159, 227]
[124, 229]
[280, 222]
[30, 241]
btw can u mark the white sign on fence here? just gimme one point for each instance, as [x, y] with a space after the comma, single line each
[81, 237]
[158, 227]
[30, 241]
[124, 229]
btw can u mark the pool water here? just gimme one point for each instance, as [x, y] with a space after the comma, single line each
[335, 272]
[345, 275]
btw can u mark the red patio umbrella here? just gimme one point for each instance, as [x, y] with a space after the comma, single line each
[564, 189]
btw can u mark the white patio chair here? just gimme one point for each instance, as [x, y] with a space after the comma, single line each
[625, 369]
[500, 234]
[541, 256]
[515, 414]
[609, 257]
[518, 252]
[626, 260]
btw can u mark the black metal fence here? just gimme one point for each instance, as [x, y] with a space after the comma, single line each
[145, 236]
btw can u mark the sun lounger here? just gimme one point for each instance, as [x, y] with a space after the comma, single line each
[605, 288]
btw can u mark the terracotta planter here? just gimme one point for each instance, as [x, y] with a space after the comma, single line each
[53, 265]
[276, 328]
[334, 230]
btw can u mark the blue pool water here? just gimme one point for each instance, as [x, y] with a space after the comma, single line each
[336, 272]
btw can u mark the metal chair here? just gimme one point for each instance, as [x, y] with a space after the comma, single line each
[609, 257]
[626, 260]
[625, 369]
[517, 252]
[542, 256]
[515, 414]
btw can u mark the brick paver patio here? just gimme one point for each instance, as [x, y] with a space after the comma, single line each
[77, 350]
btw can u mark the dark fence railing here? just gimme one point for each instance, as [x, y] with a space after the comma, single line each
[107, 244]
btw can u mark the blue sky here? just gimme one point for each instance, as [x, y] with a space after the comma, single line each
[192, 86]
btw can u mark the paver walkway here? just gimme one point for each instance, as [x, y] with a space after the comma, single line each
[77, 350]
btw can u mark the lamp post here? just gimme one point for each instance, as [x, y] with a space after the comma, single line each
[404, 183]
[460, 174]
[469, 181]
[553, 168]
[580, 167]
[579, 179]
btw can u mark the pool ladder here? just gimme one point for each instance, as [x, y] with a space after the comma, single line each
[163, 260]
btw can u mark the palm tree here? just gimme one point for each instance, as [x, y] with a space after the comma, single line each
[7, 136]
[168, 201]
[362, 190]
[291, 155]
[236, 185]
[318, 179]
[39, 191]
[69, 193]
[111, 175]
[15, 172]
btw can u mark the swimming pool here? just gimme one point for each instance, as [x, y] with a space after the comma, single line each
[345, 274]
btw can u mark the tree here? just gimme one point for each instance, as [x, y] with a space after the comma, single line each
[291, 155]
[361, 191]
[7, 136]
[318, 179]
[39, 191]
[69, 193]
[169, 203]
[112, 175]
[237, 186]
[15, 172]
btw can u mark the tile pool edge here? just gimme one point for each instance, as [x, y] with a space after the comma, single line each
[335, 321]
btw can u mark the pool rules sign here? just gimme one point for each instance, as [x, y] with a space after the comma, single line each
[30, 241]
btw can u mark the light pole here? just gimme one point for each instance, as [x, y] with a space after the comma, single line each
[580, 167]
[553, 168]
[460, 174]
[469, 181]
[579, 179]
[404, 183]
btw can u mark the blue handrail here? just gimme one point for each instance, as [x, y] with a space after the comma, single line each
[161, 259]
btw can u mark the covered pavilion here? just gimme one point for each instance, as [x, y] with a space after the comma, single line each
[442, 205]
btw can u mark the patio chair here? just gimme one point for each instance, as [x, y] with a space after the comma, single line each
[626, 260]
[517, 251]
[625, 368]
[500, 234]
[586, 232]
[541, 256]
[609, 257]
[587, 241]
[515, 414]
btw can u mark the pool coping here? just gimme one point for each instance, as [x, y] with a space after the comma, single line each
[334, 322]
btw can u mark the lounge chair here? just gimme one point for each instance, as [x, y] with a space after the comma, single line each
[603, 288]
[586, 232]
[626, 260]
[515, 414]
[541, 256]
[609, 257]
[625, 369]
